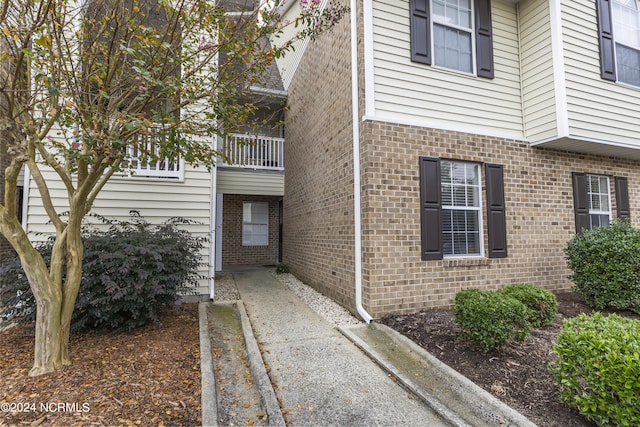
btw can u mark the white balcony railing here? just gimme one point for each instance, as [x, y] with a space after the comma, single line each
[252, 151]
[142, 165]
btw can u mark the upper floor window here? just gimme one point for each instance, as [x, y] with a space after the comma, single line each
[619, 35]
[452, 34]
[445, 33]
[626, 25]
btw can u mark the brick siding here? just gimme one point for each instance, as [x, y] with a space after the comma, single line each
[233, 253]
[539, 215]
[318, 202]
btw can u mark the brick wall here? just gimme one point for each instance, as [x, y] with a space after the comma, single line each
[539, 215]
[318, 202]
[233, 253]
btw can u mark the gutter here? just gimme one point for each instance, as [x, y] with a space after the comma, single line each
[356, 162]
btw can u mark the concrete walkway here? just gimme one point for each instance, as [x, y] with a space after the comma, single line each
[319, 376]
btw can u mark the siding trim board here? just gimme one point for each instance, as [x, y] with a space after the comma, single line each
[559, 72]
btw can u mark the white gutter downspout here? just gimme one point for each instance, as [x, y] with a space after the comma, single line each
[212, 225]
[356, 162]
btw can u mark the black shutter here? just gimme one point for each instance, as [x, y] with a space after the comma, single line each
[622, 197]
[580, 201]
[430, 208]
[607, 45]
[496, 215]
[420, 31]
[484, 39]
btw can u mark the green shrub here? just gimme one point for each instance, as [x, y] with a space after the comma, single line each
[131, 273]
[606, 266]
[282, 268]
[490, 319]
[599, 368]
[542, 305]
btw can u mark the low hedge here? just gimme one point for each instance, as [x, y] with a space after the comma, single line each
[606, 266]
[542, 305]
[490, 319]
[599, 368]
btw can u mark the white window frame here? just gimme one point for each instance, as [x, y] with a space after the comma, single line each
[593, 211]
[477, 209]
[620, 28]
[258, 216]
[437, 19]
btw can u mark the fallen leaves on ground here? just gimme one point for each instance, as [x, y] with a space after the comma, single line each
[150, 377]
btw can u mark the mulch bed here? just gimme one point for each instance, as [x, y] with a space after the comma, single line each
[516, 374]
[149, 377]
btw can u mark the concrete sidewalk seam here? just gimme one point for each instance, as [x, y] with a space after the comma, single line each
[208, 398]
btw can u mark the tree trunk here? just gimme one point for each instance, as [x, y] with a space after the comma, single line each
[48, 350]
[75, 251]
[46, 286]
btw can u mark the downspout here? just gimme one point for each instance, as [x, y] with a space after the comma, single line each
[356, 162]
[212, 225]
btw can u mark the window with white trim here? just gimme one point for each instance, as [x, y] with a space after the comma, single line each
[599, 201]
[453, 34]
[461, 208]
[626, 29]
[255, 224]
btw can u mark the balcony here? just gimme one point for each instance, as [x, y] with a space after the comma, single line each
[252, 152]
[140, 162]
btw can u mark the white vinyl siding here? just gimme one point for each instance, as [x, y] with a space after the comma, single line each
[436, 97]
[538, 91]
[250, 183]
[598, 109]
[156, 200]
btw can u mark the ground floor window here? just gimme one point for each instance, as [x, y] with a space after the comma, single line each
[599, 201]
[592, 200]
[461, 216]
[255, 224]
[451, 215]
